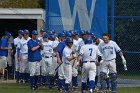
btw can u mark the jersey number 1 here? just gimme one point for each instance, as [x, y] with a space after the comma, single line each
[90, 49]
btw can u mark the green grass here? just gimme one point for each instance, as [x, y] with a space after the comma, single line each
[22, 88]
[129, 75]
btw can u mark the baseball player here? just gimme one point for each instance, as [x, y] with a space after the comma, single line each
[88, 54]
[68, 56]
[98, 41]
[59, 55]
[41, 78]
[55, 43]
[17, 64]
[34, 56]
[76, 41]
[22, 54]
[47, 54]
[108, 49]
[42, 32]
[4, 47]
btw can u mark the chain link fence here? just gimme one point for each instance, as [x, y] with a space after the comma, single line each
[127, 36]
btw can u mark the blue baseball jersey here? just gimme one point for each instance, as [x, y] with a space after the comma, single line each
[60, 48]
[4, 43]
[34, 55]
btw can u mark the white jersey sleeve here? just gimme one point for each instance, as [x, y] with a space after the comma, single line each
[117, 48]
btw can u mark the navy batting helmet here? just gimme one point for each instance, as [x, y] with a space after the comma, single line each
[69, 40]
[88, 41]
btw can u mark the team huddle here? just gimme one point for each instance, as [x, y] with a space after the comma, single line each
[56, 60]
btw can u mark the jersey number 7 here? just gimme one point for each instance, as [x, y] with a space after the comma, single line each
[90, 49]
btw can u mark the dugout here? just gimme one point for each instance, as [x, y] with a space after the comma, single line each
[13, 19]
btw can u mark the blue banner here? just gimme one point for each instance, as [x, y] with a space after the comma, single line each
[77, 14]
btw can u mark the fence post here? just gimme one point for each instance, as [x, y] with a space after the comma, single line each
[47, 15]
[112, 20]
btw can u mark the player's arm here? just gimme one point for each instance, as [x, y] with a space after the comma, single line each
[70, 57]
[58, 58]
[3, 45]
[117, 48]
[80, 56]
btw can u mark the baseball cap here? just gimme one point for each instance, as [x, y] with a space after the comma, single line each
[20, 32]
[8, 34]
[26, 31]
[34, 32]
[45, 35]
[42, 30]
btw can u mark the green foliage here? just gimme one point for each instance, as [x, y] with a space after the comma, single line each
[22, 3]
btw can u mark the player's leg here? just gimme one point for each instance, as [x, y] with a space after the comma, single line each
[61, 80]
[113, 76]
[51, 76]
[84, 77]
[32, 66]
[22, 69]
[97, 76]
[74, 77]
[68, 76]
[42, 78]
[92, 74]
[17, 69]
[108, 81]
[37, 73]
[103, 75]
[27, 72]
[55, 73]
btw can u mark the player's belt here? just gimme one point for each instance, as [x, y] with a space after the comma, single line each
[47, 56]
[88, 61]
[110, 59]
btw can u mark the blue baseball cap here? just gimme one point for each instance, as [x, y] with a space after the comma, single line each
[34, 32]
[20, 32]
[42, 30]
[26, 31]
[61, 34]
[8, 34]
[45, 35]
